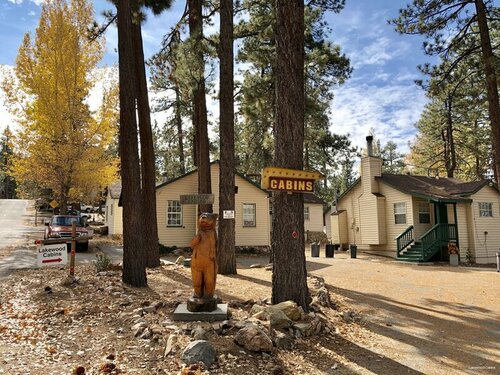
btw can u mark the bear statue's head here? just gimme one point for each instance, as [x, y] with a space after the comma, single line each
[207, 221]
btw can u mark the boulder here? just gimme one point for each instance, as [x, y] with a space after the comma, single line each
[254, 339]
[279, 320]
[199, 351]
[282, 340]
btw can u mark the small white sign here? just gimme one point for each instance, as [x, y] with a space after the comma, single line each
[228, 214]
[52, 255]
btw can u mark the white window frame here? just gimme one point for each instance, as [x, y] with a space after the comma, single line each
[307, 213]
[400, 213]
[171, 214]
[485, 209]
[424, 209]
[249, 218]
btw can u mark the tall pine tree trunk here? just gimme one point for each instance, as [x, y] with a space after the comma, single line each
[134, 259]
[289, 264]
[450, 157]
[226, 255]
[180, 132]
[200, 121]
[491, 85]
[148, 188]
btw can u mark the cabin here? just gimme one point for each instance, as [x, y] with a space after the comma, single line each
[416, 218]
[177, 222]
[113, 216]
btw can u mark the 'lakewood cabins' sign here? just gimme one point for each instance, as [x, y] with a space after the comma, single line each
[290, 180]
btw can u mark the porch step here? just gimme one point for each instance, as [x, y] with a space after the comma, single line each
[412, 254]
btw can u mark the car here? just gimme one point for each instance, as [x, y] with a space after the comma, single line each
[86, 208]
[60, 226]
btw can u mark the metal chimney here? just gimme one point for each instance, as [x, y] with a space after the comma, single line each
[369, 145]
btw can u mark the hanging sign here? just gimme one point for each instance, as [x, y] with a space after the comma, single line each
[197, 199]
[289, 180]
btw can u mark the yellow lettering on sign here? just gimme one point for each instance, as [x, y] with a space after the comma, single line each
[281, 185]
[309, 186]
[274, 184]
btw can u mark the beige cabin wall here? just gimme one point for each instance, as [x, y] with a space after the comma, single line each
[486, 245]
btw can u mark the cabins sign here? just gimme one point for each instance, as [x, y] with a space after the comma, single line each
[289, 180]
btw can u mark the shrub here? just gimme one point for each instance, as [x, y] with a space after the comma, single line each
[103, 263]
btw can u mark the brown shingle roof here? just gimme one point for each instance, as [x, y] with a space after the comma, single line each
[439, 189]
[312, 198]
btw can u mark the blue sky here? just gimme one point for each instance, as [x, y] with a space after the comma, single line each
[381, 93]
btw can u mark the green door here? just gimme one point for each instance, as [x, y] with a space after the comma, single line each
[441, 213]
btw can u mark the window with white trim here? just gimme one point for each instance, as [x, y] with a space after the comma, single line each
[174, 214]
[306, 213]
[485, 209]
[249, 215]
[424, 213]
[400, 213]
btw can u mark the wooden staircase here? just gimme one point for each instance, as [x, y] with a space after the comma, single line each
[414, 253]
[423, 249]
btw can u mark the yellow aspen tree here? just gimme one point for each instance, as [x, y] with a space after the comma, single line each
[62, 145]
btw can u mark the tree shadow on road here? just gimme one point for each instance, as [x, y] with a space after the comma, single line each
[446, 334]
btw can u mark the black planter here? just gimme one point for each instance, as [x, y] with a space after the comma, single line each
[353, 249]
[314, 250]
[329, 250]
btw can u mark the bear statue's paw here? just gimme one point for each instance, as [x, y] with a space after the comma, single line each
[201, 304]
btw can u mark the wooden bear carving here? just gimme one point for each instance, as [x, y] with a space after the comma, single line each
[204, 258]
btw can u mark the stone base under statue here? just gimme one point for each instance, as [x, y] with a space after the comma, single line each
[182, 313]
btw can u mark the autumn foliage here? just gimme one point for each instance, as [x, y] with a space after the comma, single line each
[62, 145]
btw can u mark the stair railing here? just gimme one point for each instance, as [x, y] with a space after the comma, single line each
[437, 236]
[404, 240]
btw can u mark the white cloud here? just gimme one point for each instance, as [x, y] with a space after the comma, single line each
[36, 2]
[391, 110]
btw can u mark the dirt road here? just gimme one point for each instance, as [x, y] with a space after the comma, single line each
[424, 317]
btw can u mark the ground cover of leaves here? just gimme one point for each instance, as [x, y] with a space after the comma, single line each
[87, 327]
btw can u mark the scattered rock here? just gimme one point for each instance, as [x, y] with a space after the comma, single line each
[254, 339]
[323, 297]
[348, 316]
[279, 320]
[282, 340]
[256, 265]
[199, 333]
[171, 343]
[199, 351]
[180, 260]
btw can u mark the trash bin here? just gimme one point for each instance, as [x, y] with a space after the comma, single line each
[329, 250]
[315, 250]
[353, 249]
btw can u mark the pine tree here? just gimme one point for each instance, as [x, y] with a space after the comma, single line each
[134, 256]
[226, 255]
[450, 24]
[289, 281]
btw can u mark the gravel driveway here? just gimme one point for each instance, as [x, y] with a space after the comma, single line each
[430, 318]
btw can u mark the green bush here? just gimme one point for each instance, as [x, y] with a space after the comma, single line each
[103, 263]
